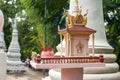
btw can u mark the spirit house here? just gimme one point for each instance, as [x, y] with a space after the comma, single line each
[76, 57]
[76, 34]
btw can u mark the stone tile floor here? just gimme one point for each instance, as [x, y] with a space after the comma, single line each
[30, 74]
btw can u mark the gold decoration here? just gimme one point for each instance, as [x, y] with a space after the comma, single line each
[78, 19]
[70, 19]
[80, 10]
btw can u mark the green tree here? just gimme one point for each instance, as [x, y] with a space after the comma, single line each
[28, 38]
[36, 10]
[112, 18]
[30, 28]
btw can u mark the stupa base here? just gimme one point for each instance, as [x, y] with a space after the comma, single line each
[3, 65]
[15, 67]
[54, 75]
[109, 76]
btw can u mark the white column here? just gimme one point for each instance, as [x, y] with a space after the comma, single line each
[1, 20]
[96, 21]
[2, 53]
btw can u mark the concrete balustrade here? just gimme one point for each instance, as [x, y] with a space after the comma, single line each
[64, 60]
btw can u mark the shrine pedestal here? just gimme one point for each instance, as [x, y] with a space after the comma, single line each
[72, 74]
[69, 71]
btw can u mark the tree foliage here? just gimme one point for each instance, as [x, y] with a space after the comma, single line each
[48, 18]
[112, 18]
[30, 30]
[28, 39]
[36, 9]
[27, 35]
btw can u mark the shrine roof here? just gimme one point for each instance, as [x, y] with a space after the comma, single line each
[77, 29]
[81, 28]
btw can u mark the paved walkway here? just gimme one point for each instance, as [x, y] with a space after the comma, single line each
[30, 74]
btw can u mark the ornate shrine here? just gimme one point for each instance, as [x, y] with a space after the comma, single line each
[76, 35]
[77, 57]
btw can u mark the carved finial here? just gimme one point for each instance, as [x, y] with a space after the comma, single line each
[86, 13]
[80, 10]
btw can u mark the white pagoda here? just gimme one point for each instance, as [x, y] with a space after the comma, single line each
[14, 63]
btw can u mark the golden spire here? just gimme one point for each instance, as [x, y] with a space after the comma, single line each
[78, 19]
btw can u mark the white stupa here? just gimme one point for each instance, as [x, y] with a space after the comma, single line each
[2, 52]
[95, 21]
[14, 63]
